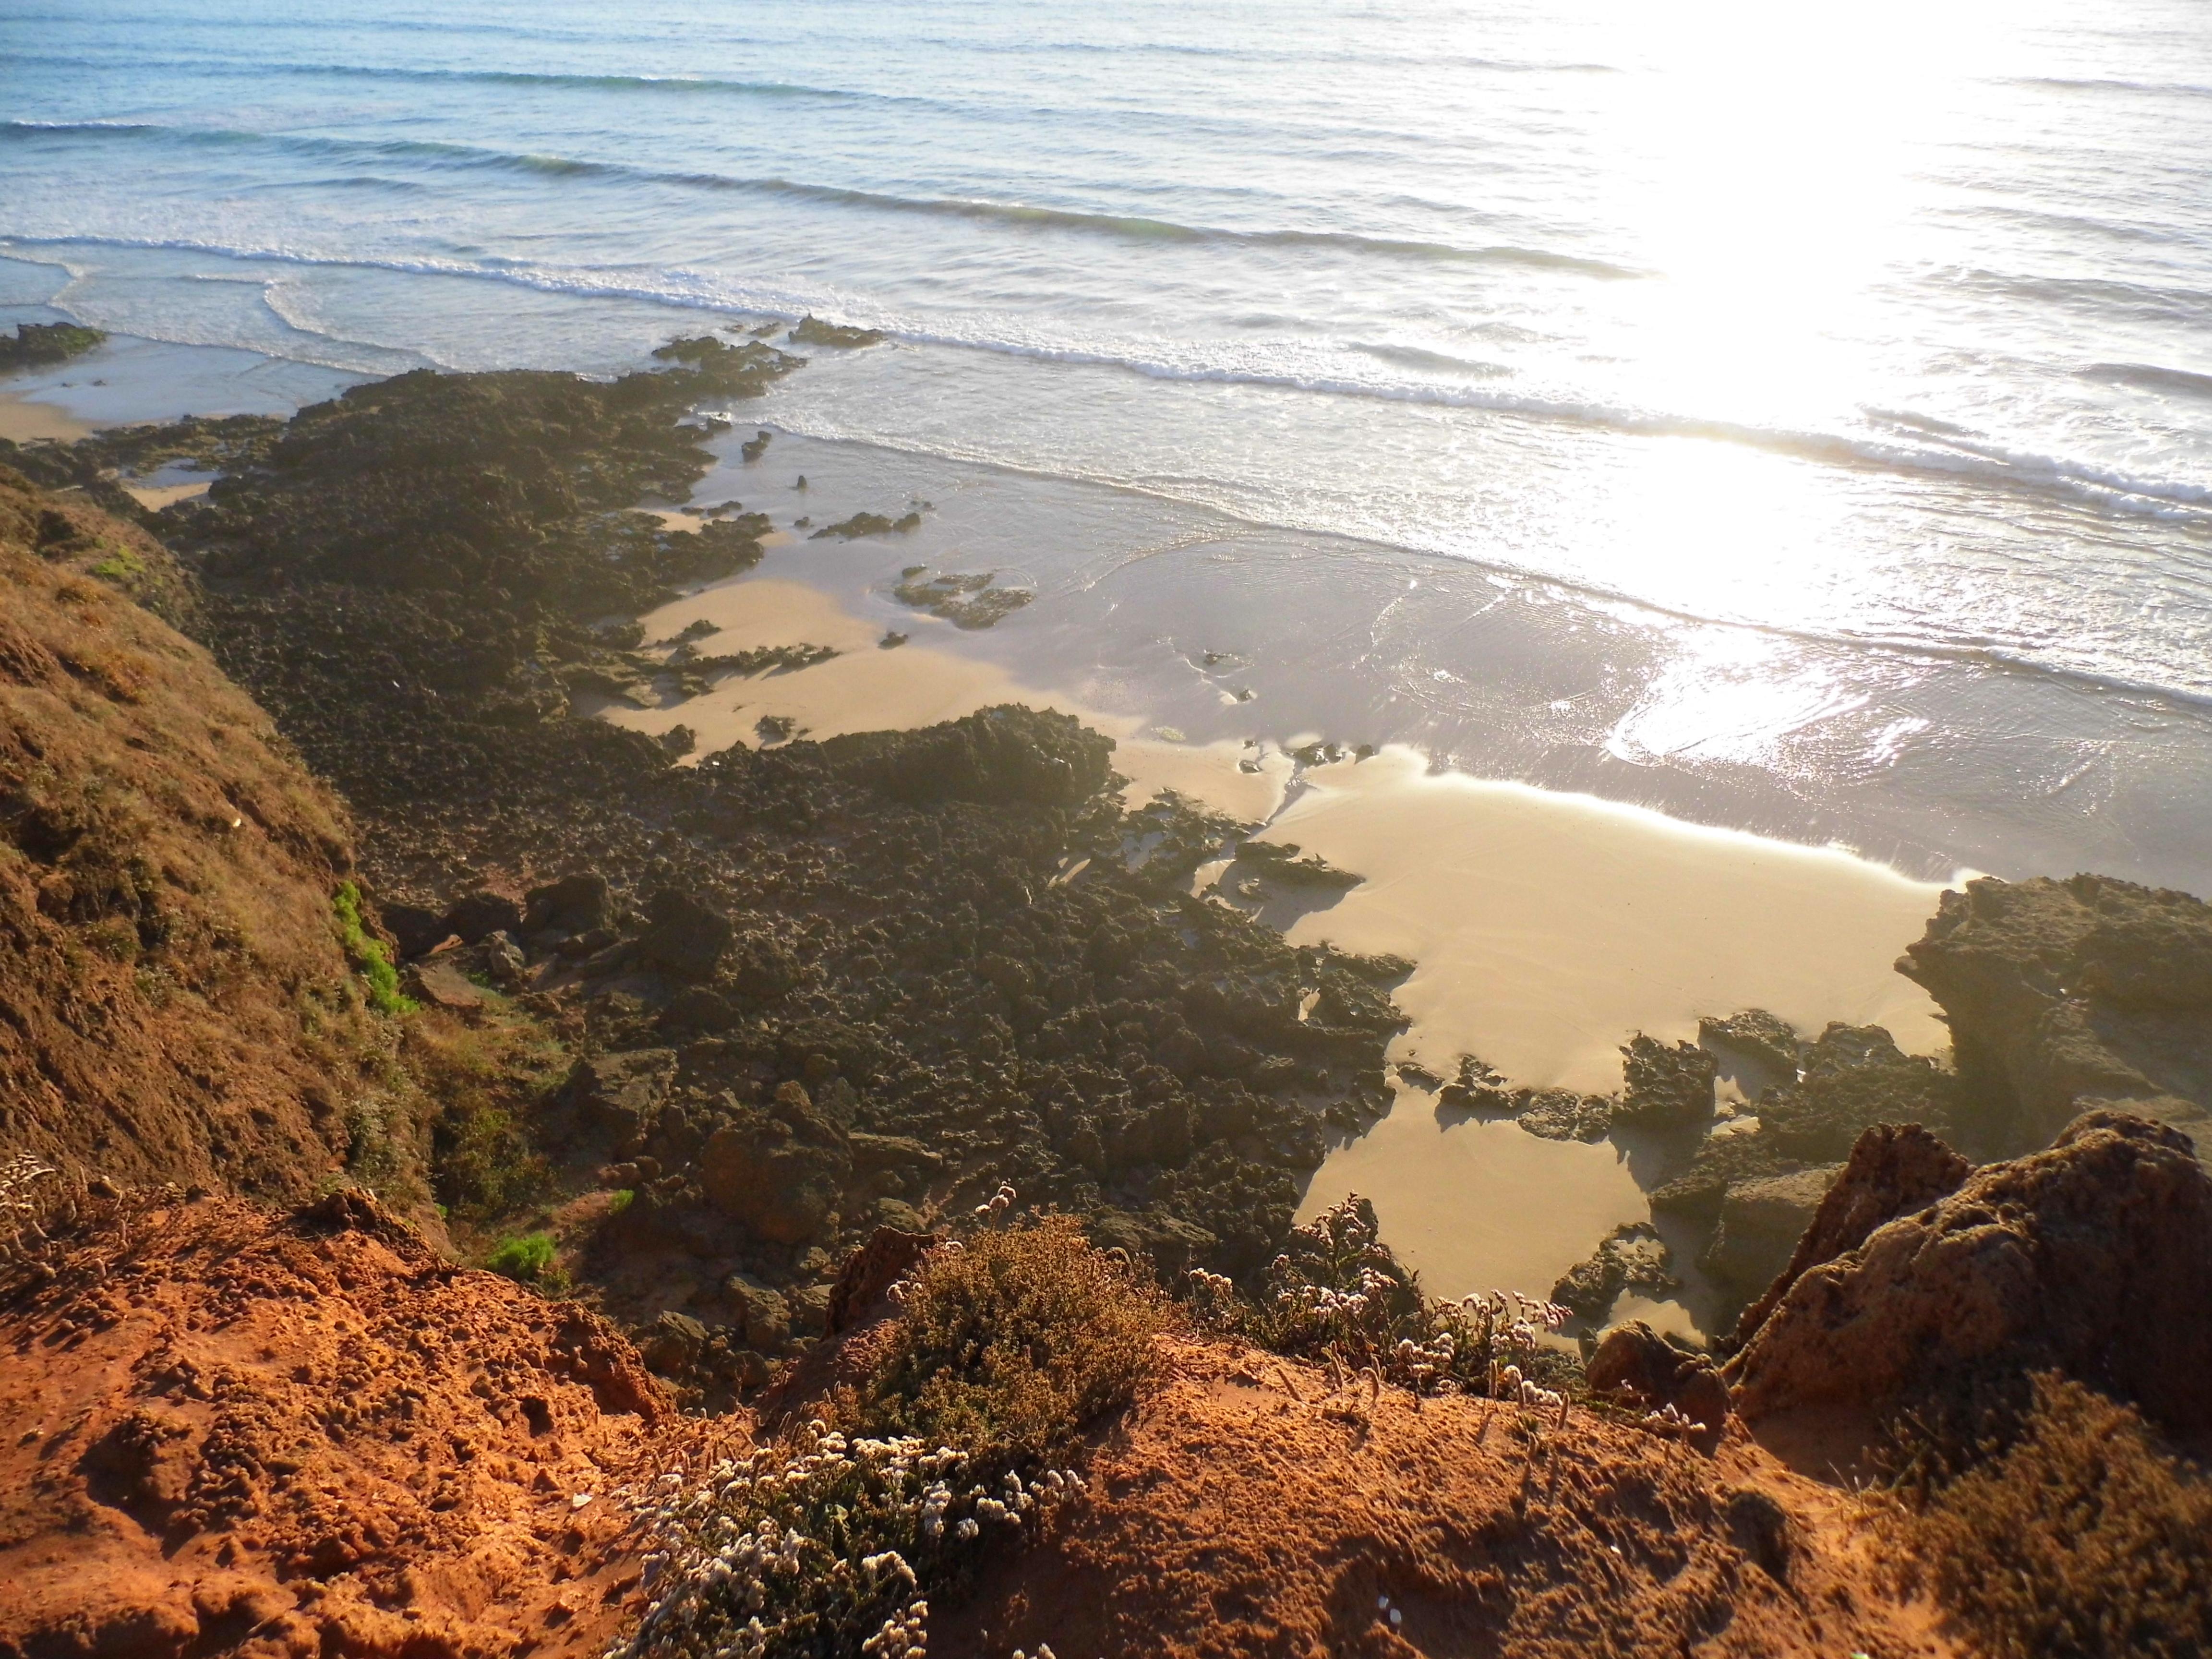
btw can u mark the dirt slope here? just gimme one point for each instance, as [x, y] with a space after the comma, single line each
[174, 1003]
[234, 1432]
[1250, 1510]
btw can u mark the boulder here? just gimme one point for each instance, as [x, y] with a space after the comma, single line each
[686, 938]
[574, 904]
[779, 1173]
[443, 985]
[478, 915]
[1760, 1224]
[765, 970]
[758, 1312]
[622, 1093]
[1633, 1362]
[2093, 1258]
[416, 931]
[2061, 994]
[1893, 1169]
[1665, 1088]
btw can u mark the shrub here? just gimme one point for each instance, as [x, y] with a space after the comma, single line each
[2080, 1539]
[826, 1547]
[367, 953]
[1339, 1295]
[527, 1259]
[1014, 1341]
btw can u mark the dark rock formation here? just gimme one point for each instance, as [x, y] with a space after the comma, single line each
[863, 1289]
[1665, 1088]
[1893, 1169]
[574, 904]
[1754, 1032]
[35, 345]
[620, 1094]
[1632, 1257]
[2061, 994]
[1634, 1361]
[2093, 1258]
[813, 330]
[478, 915]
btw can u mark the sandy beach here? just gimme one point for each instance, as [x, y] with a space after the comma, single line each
[23, 422]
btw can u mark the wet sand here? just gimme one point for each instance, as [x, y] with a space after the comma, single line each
[23, 422]
[154, 497]
[869, 688]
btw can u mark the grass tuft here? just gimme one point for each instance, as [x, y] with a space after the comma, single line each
[368, 954]
[527, 1259]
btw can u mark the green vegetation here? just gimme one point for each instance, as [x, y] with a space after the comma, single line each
[485, 1080]
[527, 1259]
[2080, 1539]
[368, 953]
[1015, 1343]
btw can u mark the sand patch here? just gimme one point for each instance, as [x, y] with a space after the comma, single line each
[868, 688]
[154, 497]
[23, 422]
[1549, 928]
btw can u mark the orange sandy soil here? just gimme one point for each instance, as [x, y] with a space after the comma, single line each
[1231, 1516]
[227, 1432]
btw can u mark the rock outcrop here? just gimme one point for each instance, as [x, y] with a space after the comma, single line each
[1895, 1169]
[2065, 994]
[778, 1172]
[2093, 1258]
[1633, 1362]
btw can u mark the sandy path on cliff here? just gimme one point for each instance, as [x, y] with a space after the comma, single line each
[230, 1431]
[1245, 1509]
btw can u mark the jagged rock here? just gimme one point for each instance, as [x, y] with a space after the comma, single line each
[2093, 1258]
[873, 1154]
[863, 1288]
[1665, 1088]
[501, 960]
[1892, 1171]
[576, 903]
[1563, 1115]
[687, 937]
[1632, 1359]
[477, 916]
[621, 1093]
[1770, 1041]
[443, 985]
[1171, 1243]
[1760, 1223]
[1633, 1255]
[778, 1172]
[810, 1309]
[2062, 993]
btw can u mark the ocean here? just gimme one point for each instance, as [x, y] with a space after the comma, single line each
[1797, 419]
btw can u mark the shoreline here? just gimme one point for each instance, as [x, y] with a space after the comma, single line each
[1546, 928]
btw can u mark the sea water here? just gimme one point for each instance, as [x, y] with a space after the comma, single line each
[1797, 417]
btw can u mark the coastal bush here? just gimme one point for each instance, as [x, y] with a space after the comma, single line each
[1340, 1296]
[369, 957]
[527, 1259]
[827, 1545]
[2082, 1538]
[1014, 1341]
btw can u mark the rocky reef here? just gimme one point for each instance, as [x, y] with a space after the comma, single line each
[2062, 993]
[41, 346]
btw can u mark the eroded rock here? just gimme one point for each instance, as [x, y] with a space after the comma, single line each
[2094, 1257]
